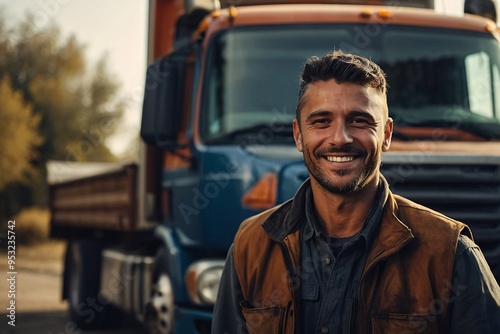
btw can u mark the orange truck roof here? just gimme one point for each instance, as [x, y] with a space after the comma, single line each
[400, 3]
[324, 13]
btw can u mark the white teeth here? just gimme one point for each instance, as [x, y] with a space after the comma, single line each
[339, 159]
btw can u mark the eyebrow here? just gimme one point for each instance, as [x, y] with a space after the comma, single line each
[355, 113]
[362, 114]
[318, 113]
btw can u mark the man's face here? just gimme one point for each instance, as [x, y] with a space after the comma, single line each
[342, 134]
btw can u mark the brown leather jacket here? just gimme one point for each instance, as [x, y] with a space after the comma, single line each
[406, 282]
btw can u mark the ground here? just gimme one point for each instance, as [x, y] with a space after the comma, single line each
[37, 284]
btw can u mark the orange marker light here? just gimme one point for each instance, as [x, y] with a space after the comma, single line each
[366, 13]
[384, 14]
[232, 12]
[490, 27]
[263, 194]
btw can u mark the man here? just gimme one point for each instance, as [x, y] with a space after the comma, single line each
[345, 255]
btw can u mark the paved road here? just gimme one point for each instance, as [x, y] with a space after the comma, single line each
[39, 309]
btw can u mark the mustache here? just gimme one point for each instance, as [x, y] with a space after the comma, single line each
[332, 150]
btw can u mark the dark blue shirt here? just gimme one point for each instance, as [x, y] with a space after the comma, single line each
[331, 269]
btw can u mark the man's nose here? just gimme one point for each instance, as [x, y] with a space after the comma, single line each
[340, 135]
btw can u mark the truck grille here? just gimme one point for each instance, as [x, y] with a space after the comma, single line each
[468, 191]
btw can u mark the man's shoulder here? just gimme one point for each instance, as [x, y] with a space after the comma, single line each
[419, 216]
[408, 207]
[252, 242]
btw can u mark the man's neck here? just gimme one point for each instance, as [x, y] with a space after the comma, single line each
[343, 215]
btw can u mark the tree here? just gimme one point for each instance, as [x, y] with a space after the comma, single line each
[73, 106]
[19, 136]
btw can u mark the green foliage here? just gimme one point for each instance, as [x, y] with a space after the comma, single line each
[19, 136]
[58, 107]
[32, 226]
[77, 104]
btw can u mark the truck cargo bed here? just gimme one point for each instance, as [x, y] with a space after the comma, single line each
[105, 201]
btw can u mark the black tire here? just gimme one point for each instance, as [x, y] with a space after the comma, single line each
[159, 317]
[83, 265]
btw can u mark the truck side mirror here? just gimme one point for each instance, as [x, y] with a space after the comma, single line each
[162, 106]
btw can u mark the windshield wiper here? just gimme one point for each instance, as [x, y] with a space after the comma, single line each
[260, 133]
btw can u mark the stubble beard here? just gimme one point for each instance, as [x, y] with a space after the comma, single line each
[357, 184]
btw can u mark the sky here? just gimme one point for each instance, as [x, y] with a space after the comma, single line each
[115, 28]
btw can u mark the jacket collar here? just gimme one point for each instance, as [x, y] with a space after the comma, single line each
[393, 234]
[289, 216]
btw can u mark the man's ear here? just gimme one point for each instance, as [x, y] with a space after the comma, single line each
[387, 134]
[297, 135]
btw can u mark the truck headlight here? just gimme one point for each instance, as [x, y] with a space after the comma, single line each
[202, 281]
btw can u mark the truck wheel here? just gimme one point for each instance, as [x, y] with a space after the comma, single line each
[83, 263]
[160, 309]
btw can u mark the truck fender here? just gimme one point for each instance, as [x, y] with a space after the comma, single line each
[172, 251]
[167, 277]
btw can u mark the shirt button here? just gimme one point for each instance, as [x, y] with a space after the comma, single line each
[327, 261]
[324, 329]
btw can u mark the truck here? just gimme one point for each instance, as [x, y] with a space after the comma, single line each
[149, 239]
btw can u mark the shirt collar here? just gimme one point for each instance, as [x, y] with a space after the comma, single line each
[370, 226]
[311, 227]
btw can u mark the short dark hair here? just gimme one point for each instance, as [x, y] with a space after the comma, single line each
[341, 67]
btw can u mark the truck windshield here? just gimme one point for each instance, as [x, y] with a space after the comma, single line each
[437, 78]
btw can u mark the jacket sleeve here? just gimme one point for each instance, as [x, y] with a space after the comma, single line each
[227, 316]
[475, 295]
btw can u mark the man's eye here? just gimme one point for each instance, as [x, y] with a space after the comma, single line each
[321, 121]
[359, 121]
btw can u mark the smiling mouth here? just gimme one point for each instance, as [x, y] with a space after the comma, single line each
[339, 159]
